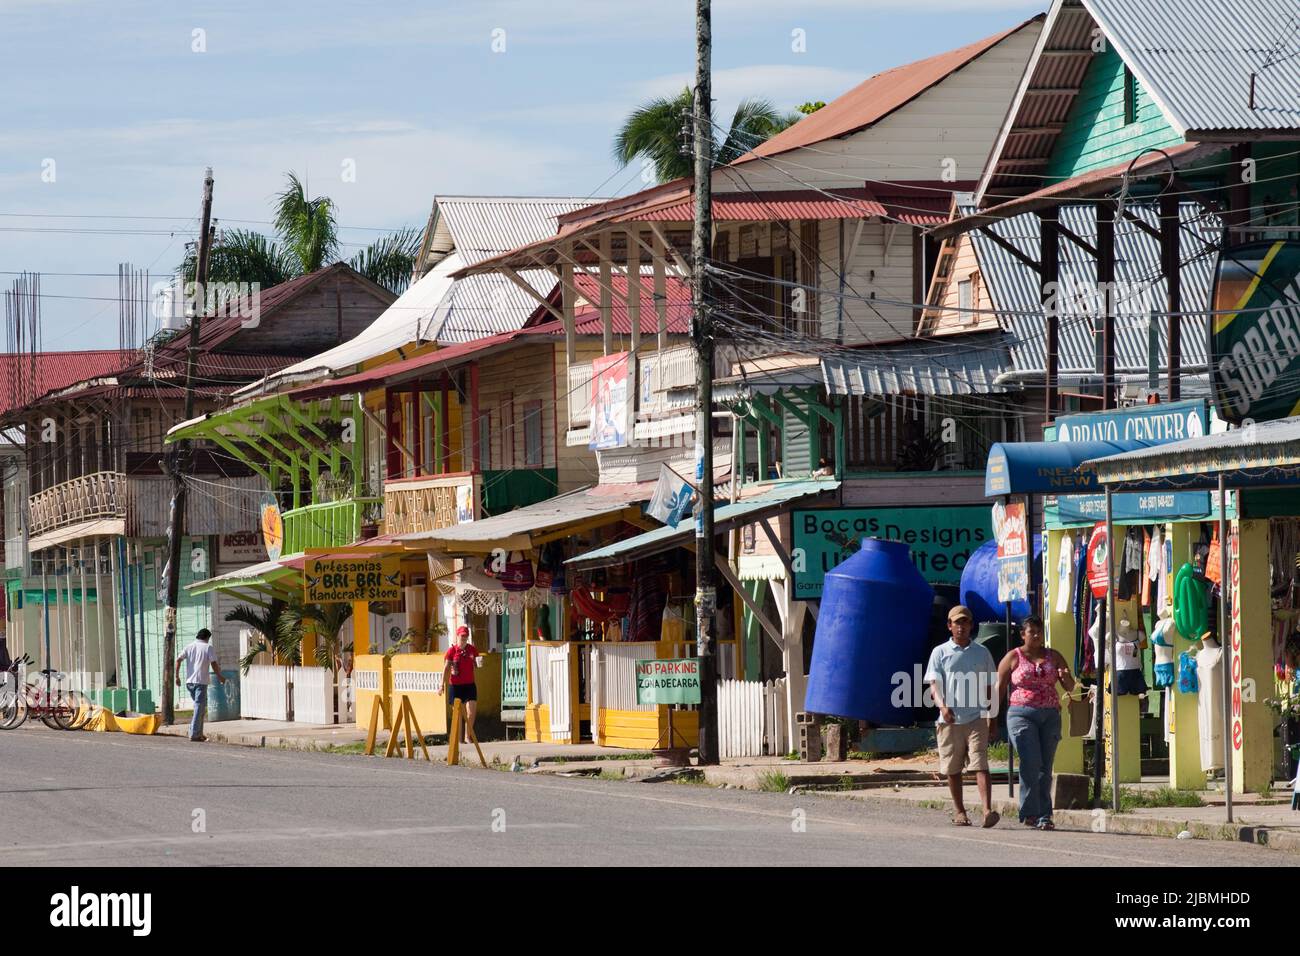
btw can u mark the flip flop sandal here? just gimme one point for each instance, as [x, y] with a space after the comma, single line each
[1046, 824]
[991, 819]
[961, 820]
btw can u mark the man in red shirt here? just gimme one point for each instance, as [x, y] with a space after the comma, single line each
[458, 677]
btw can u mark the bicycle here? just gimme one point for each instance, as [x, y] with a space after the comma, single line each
[57, 708]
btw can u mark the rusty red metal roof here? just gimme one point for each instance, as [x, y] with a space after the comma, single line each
[24, 378]
[769, 204]
[872, 100]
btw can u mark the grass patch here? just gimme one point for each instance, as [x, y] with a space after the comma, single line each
[846, 782]
[635, 755]
[610, 775]
[933, 804]
[792, 755]
[1131, 799]
[692, 779]
[774, 781]
[999, 750]
[865, 755]
[354, 748]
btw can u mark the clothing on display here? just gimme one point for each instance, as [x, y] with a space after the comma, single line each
[1187, 683]
[1163, 645]
[1064, 567]
[1209, 704]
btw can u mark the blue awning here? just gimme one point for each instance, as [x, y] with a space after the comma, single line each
[1047, 467]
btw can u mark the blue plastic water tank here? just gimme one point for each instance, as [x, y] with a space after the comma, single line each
[223, 699]
[979, 584]
[873, 624]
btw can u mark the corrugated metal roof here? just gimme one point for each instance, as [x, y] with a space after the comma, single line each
[487, 304]
[514, 528]
[26, 377]
[769, 204]
[484, 226]
[744, 512]
[1253, 454]
[938, 367]
[1196, 58]
[875, 98]
[1015, 289]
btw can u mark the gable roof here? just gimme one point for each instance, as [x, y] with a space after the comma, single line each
[1194, 58]
[877, 97]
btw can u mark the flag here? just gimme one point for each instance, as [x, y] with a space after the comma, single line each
[671, 499]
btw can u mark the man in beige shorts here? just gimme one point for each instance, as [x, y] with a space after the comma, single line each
[963, 676]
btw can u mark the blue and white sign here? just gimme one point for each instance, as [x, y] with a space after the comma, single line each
[1147, 425]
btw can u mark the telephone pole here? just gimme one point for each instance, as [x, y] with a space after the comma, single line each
[706, 596]
[175, 464]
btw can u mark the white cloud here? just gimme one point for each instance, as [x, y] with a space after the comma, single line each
[785, 85]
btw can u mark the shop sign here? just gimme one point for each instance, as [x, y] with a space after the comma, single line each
[1151, 425]
[668, 682]
[344, 580]
[1098, 555]
[241, 547]
[1256, 338]
[941, 540]
[1009, 527]
[272, 525]
[1235, 633]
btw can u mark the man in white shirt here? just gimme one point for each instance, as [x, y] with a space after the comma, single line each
[198, 657]
[962, 676]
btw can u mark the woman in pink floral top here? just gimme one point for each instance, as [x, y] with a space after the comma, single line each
[1034, 718]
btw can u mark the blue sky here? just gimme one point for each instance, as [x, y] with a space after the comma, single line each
[412, 93]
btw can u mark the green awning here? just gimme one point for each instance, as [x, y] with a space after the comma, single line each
[772, 501]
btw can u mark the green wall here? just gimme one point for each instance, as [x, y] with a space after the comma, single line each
[1095, 133]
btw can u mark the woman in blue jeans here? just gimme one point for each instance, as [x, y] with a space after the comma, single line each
[1032, 672]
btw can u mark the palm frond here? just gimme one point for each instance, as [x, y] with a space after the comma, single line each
[389, 260]
[653, 131]
[244, 256]
[755, 120]
[306, 226]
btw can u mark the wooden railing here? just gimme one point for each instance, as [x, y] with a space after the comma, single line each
[100, 495]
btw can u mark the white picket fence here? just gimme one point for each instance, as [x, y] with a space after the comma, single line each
[313, 695]
[752, 718]
[264, 692]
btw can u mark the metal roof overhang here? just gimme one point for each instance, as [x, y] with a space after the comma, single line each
[729, 516]
[1265, 455]
[1047, 467]
[265, 574]
[529, 527]
[1090, 185]
[82, 529]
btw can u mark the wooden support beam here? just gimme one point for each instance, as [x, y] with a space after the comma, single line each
[606, 295]
[660, 291]
[684, 269]
[1010, 249]
[531, 292]
[633, 267]
[1171, 266]
[568, 293]
[1146, 227]
[1105, 283]
[729, 576]
[777, 546]
[1049, 259]
[1078, 240]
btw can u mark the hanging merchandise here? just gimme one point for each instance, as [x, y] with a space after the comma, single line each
[518, 574]
[1094, 636]
[1128, 655]
[1189, 604]
[1213, 569]
[1156, 569]
[1064, 575]
[1145, 573]
[1132, 550]
[1162, 643]
[1098, 558]
[1209, 704]
[1187, 683]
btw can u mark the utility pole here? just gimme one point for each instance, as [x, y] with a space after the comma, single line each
[176, 464]
[706, 596]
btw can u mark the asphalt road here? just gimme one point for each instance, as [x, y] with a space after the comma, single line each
[112, 799]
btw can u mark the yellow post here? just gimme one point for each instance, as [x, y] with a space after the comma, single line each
[453, 738]
[1185, 771]
[1130, 755]
[360, 628]
[308, 644]
[1251, 626]
[1060, 637]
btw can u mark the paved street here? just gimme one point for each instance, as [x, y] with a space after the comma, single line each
[94, 799]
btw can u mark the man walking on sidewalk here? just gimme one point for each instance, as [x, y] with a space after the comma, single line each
[197, 658]
[962, 675]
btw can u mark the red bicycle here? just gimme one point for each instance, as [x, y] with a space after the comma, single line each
[55, 707]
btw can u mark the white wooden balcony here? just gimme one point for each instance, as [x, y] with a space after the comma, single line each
[96, 496]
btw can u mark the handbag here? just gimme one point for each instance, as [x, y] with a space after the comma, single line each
[1187, 683]
[518, 575]
[1080, 711]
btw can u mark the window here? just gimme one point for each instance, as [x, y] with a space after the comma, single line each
[533, 434]
[1130, 97]
[964, 289]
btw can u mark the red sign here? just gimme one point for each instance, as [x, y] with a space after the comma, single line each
[1099, 561]
[1013, 539]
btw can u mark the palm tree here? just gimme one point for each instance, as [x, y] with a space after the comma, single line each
[306, 239]
[654, 130]
[266, 625]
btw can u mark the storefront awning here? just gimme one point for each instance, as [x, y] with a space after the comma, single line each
[771, 502]
[1047, 467]
[1266, 454]
[527, 528]
[264, 574]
